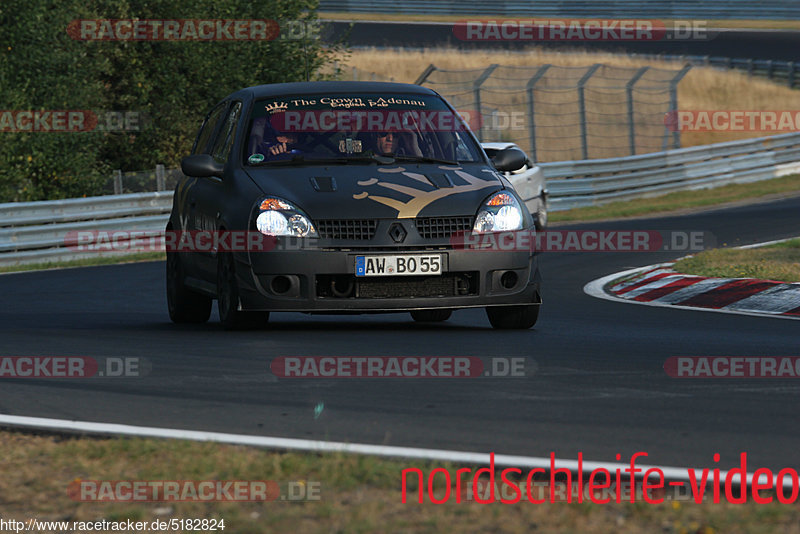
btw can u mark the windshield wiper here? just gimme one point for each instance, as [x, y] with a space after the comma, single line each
[382, 160]
[424, 159]
[372, 158]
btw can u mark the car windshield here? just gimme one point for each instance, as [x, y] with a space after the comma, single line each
[371, 128]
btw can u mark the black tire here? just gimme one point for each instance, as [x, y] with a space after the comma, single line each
[513, 317]
[228, 299]
[431, 316]
[540, 219]
[184, 305]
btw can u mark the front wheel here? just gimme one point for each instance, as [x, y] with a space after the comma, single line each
[184, 305]
[513, 317]
[431, 316]
[231, 317]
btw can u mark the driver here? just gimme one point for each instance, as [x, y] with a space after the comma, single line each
[285, 143]
[276, 144]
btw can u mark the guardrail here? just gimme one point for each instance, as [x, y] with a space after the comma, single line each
[35, 232]
[575, 184]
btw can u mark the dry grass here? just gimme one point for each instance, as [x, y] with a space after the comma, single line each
[358, 494]
[703, 88]
[775, 262]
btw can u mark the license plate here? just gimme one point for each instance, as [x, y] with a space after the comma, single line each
[408, 264]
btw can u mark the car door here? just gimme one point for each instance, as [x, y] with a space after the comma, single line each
[208, 193]
[191, 218]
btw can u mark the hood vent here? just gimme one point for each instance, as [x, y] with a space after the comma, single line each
[440, 180]
[324, 184]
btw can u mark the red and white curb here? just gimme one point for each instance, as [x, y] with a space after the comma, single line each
[659, 285]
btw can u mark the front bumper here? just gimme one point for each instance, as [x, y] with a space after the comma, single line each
[319, 280]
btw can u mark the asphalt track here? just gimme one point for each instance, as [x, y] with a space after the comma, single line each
[600, 387]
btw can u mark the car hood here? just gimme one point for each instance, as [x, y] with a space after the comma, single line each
[379, 191]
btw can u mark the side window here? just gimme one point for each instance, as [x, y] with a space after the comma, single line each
[208, 129]
[224, 142]
[462, 152]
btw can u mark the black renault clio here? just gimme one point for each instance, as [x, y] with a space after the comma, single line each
[365, 198]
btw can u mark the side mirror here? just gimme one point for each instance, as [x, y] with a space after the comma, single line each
[509, 159]
[201, 166]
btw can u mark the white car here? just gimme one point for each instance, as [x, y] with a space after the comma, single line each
[529, 181]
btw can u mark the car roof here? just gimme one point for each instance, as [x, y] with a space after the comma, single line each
[305, 88]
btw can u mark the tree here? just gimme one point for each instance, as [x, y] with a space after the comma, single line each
[170, 85]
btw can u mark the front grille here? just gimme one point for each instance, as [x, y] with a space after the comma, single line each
[392, 287]
[357, 229]
[442, 227]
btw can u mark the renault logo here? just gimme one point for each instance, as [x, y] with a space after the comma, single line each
[397, 232]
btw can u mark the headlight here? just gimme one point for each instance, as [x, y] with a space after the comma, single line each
[277, 217]
[500, 213]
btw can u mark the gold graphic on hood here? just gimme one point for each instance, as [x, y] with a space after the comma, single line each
[420, 197]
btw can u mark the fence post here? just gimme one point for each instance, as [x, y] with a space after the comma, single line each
[582, 108]
[531, 111]
[424, 76]
[476, 86]
[673, 107]
[750, 67]
[160, 182]
[790, 75]
[769, 68]
[629, 93]
[118, 182]
[355, 74]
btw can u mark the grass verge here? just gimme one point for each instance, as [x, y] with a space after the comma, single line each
[780, 261]
[357, 493]
[88, 262]
[766, 189]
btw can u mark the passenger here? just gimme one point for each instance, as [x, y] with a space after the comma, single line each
[397, 144]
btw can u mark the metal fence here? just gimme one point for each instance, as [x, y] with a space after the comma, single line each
[159, 179]
[783, 72]
[566, 113]
[36, 232]
[675, 9]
